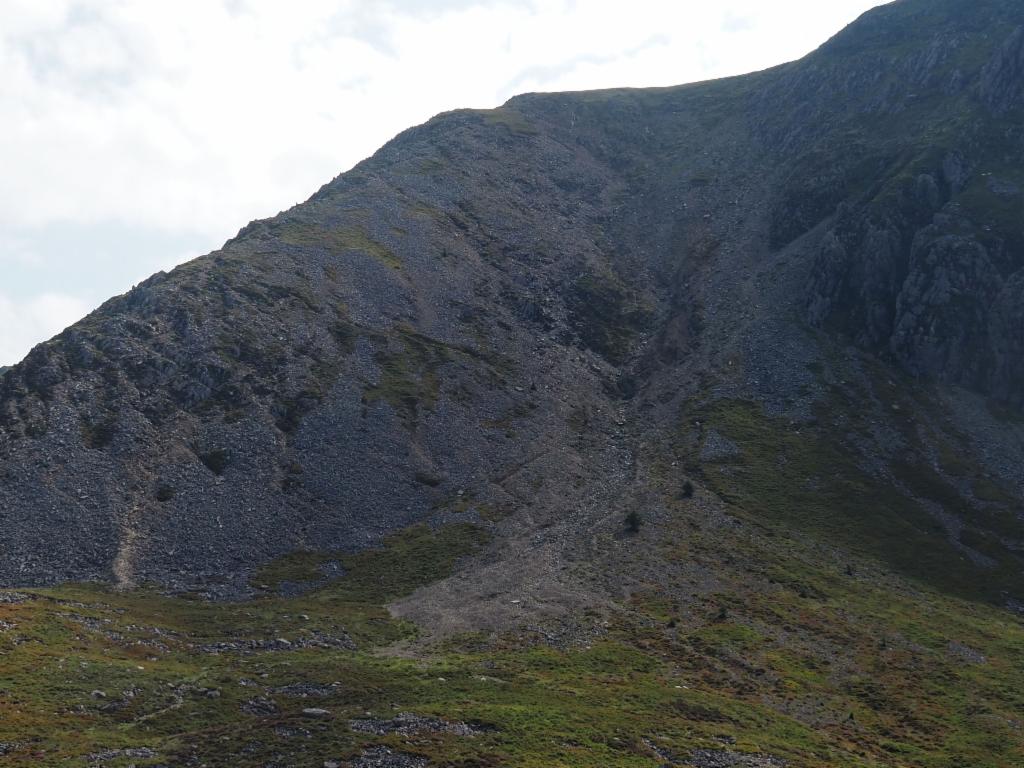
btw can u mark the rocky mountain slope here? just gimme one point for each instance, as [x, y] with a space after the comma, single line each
[679, 370]
[498, 300]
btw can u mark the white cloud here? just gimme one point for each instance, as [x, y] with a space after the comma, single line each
[26, 323]
[188, 119]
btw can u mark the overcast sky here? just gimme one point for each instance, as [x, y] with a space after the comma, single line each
[137, 134]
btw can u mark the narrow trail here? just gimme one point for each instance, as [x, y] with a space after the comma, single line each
[123, 566]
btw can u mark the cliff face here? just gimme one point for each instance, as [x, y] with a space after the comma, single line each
[925, 261]
[517, 316]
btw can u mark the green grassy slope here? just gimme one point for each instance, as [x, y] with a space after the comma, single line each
[834, 665]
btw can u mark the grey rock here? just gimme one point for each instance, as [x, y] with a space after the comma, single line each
[1002, 79]
[717, 447]
[260, 706]
[382, 757]
[965, 653]
[142, 753]
[714, 758]
[408, 723]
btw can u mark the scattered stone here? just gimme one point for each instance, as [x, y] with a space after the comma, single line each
[717, 758]
[260, 706]
[382, 757]
[663, 753]
[140, 753]
[312, 640]
[717, 447]
[305, 690]
[965, 653]
[408, 723]
[315, 712]
[284, 732]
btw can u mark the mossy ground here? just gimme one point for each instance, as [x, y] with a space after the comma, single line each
[812, 477]
[338, 240]
[409, 380]
[410, 371]
[511, 119]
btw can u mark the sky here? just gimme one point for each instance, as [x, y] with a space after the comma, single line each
[138, 134]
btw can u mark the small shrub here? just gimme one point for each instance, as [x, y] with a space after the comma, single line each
[426, 478]
[164, 493]
[98, 435]
[687, 492]
[291, 481]
[633, 522]
[290, 411]
[216, 460]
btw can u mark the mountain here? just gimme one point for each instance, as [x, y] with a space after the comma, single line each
[713, 388]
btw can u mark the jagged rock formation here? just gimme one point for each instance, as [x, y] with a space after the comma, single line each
[509, 316]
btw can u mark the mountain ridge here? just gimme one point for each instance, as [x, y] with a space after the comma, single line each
[634, 233]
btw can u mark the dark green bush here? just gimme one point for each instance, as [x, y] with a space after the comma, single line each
[216, 460]
[633, 522]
